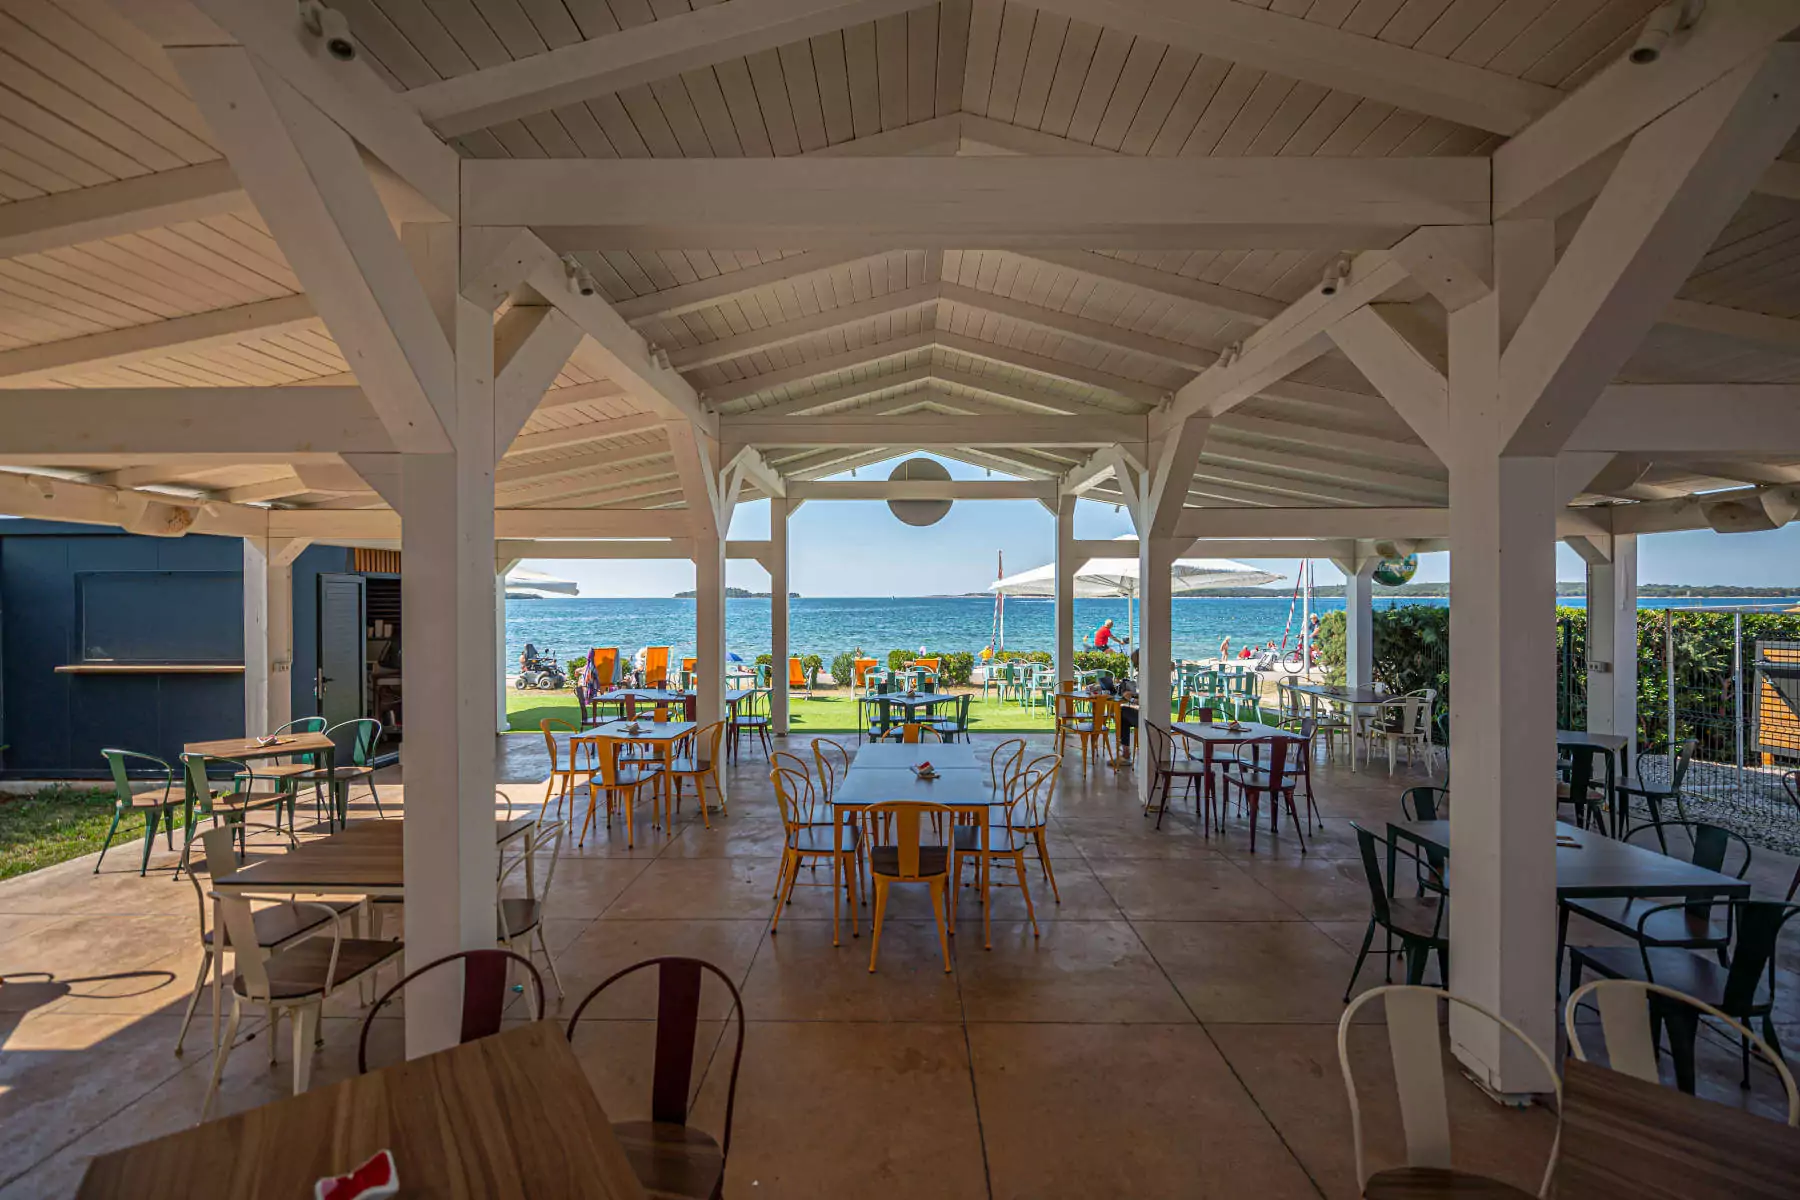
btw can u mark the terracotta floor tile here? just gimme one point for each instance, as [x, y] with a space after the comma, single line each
[1111, 1110]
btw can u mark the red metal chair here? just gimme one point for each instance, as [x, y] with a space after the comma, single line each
[484, 995]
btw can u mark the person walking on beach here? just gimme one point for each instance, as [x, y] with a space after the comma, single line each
[1103, 635]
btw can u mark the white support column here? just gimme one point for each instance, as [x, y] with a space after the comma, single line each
[1066, 566]
[501, 569]
[709, 624]
[447, 603]
[1502, 723]
[1359, 620]
[778, 611]
[1156, 559]
[1612, 641]
[257, 675]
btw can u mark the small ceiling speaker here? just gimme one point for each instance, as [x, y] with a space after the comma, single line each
[920, 512]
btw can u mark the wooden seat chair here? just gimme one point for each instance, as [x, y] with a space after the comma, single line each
[296, 980]
[362, 734]
[287, 776]
[809, 834]
[1072, 723]
[907, 860]
[519, 918]
[485, 991]
[1277, 782]
[564, 778]
[157, 803]
[229, 804]
[277, 926]
[1420, 923]
[1632, 1012]
[622, 781]
[698, 761]
[1417, 1049]
[670, 1157]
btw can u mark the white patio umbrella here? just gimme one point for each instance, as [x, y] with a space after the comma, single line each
[1113, 578]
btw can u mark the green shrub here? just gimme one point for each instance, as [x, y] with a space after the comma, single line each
[1024, 656]
[811, 664]
[898, 659]
[575, 665]
[843, 668]
[954, 666]
[1104, 660]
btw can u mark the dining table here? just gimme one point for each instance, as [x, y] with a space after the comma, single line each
[255, 749]
[365, 858]
[507, 1117]
[909, 703]
[882, 772]
[1354, 699]
[1211, 734]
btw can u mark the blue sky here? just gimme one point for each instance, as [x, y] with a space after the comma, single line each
[857, 548]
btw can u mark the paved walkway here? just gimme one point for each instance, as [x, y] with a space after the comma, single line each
[1170, 1033]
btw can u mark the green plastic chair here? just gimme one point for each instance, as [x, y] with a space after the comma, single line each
[155, 807]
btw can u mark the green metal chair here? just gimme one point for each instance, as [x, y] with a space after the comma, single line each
[155, 806]
[1241, 692]
[363, 734]
[287, 776]
[950, 728]
[990, 679]
[231, 804]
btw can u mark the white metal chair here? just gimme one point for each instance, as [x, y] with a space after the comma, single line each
[1414, 1041]
[1624, 1006]
[297, 980]
[1411, 729]
[519, 917]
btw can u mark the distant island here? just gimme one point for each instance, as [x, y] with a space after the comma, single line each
[736, 593]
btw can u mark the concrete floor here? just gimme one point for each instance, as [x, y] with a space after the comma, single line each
[1170, 1033]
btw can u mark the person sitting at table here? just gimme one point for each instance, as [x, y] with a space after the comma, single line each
[1126, 691]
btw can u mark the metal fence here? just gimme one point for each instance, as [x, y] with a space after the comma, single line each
[1729, 679]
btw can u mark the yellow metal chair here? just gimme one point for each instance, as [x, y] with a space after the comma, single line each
[908, 861]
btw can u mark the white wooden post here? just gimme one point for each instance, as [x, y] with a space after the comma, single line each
[1359, 620]
[1502, 721]
[1066, 566]
[778, 611]
[1612, 641]
[447, 607]
[709, 623]
[1156, 559]
[501, 569]
[257, 673]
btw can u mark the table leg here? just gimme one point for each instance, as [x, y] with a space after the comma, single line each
[987, 924]
[1393, 860]
[837, 832]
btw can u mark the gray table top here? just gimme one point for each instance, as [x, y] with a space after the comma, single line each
[902, 700]
[890, 756]
[1589, 864]
[961, 788]
[1344, 695]
[1221, 731]
[647, 731]
[1612, 743]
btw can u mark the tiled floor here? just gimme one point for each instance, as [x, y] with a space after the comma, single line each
[1170, 1032]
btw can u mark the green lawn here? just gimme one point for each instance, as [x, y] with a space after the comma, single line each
[61, 823]
[827, 712]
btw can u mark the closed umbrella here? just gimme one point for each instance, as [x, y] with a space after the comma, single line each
[1112, 578]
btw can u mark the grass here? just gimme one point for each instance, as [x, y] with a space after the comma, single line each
[827, 712]
[61, 823]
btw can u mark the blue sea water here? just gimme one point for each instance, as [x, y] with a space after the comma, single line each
[829, 626]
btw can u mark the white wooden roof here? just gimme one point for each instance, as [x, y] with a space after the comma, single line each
[130, 258]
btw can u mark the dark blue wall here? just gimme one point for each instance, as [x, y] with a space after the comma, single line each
[317, 560]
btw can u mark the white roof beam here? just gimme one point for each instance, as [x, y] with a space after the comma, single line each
[1317, 438]
[186, 421]
[1083, 329]
[1407, 364]
[1679, 183]
[157, 339]
[645, 54]
[1279, 489]
[1538, 172]
[817, 368]
[597, 460]
[950, 431]
[927, 489]
[1176, 289]
[1006, 389]
[532, 344]
[1377, 480]
[1146, 394]
[1316, 53]
[41, 496]
[589, 431]
[1780, 333]
[600, 489]
[110, 210]
[1334, 203]
[733, 285]
[1705, 418]
[860, 389]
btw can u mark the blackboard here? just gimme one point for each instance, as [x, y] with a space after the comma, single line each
[160, 616]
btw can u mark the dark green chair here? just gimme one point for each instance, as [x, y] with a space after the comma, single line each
[879, 720]
[362, 734]
[1653, 797]
[1420, 923]
[229, 804]
[287, 777]
[1576, 788]
[1744, 989]
[156, 805]
[950, 728]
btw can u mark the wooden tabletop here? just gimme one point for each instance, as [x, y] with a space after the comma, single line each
[1597, 865]
[367, 857]
[1220, 732]
[1626, 1139]
[1343, 695]
[504, 1117]
[647, 731]
[1612, 743]
[288, 743]
[893, 756]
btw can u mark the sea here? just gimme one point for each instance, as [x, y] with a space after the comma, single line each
[877, 624]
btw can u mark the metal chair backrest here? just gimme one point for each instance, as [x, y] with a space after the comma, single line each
[796, 798]
[364, 732]
[860, 672]
[787, 760]
[115, 759]
[905, 815]
[198, 785]
[1366, 842]
[750, 709]
[484, 995]
[550, 725]
[1759, 924]
[1625, 1006]
[1005, 759]
[833, 761]
[712, 737]
[1424, 803]
[1036, 791]
[677, 1026]
[913, 732]
[1292, 705]
[1711, 844]
[546, 830]
[1418, 1057]
[300, 725]
[1161, 744]
[1790, 783]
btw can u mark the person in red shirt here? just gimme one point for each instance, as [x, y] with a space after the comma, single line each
[1103, 635]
